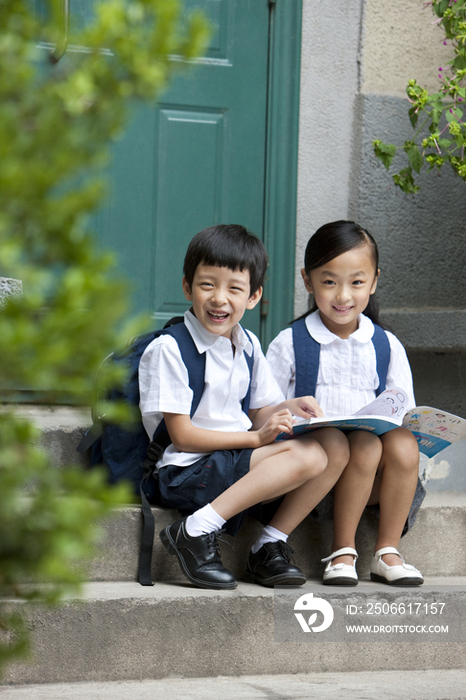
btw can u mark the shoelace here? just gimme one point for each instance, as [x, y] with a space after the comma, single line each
[280, 549]
[212, 540]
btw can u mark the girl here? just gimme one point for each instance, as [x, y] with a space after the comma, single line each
[341, 272]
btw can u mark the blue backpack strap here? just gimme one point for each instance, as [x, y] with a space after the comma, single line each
[195, 364]
[307, 356]
[194, 361]
[250, 362]
[382, 354]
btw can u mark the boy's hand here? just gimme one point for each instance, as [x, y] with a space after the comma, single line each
[306, 407]
[279, 422]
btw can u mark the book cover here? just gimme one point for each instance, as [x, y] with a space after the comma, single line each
[433, 428]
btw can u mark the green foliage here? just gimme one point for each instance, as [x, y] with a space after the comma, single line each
[437, 118]
[56, 122]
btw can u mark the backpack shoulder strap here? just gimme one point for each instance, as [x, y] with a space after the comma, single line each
[250, 362]
[382, 353]
[307, 356]
[194, 361]
[195, 364]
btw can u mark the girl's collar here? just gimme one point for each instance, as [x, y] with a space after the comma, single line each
[322, 335]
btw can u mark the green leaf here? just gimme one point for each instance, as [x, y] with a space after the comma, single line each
[445, 143]
[413, 116]
[414, 156]
[404, 180]
[385, 152]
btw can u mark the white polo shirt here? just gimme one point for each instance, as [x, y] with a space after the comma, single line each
[347, 377]
[164, 384]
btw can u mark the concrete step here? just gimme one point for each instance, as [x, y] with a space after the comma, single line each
[121, 631]
[61, 429]
[436, 544]
[359, 685]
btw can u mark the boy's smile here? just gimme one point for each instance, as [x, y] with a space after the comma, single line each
[342, 288]
[220, 297]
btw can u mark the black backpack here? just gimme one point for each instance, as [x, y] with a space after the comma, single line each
[125, 450]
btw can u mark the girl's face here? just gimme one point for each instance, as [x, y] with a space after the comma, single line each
[342, 288]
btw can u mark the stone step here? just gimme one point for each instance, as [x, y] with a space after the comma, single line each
[436, 544]
[353, 685]
[121, 631]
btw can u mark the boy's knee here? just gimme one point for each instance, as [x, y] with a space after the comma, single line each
[335, 444]
[308, 457]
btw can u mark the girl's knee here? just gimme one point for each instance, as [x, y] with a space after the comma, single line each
[338, 450]
[400, 447]
[363, 442]
[366, 451]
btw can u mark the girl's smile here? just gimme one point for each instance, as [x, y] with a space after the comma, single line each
[342, 287]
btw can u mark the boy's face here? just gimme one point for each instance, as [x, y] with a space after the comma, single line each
[220, 297]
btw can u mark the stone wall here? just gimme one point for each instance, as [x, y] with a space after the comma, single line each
[356, 61]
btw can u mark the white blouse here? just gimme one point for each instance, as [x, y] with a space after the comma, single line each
[347, 377]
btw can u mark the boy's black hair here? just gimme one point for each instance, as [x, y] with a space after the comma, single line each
[231, 246]
[334, 239]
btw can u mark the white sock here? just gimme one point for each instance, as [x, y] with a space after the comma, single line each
[268, 534]
[203, 521]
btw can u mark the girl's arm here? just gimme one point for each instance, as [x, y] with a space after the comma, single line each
[186, 437]
[399, 371]
[281, 360]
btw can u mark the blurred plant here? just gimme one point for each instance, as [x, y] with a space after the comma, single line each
[56, 122]
[438, 118]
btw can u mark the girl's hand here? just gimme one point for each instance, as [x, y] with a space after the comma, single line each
[279, 422]
[306, 407]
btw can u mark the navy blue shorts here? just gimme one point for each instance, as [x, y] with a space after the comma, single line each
[189, 488]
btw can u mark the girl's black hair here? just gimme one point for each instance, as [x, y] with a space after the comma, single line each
[231, 246]
[334, 239]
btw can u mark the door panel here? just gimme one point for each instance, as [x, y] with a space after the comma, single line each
[195, 159]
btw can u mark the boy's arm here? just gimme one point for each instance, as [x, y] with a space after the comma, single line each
[186, 437]
[303, 406]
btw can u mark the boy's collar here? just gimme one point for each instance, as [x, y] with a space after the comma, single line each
[204, 340]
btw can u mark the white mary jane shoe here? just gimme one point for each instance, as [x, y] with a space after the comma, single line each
[400, 575]
[341, 574]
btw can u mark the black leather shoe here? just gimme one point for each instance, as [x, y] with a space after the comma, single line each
[198, 556]
[271, 566]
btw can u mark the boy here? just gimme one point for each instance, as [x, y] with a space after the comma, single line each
[221, 461]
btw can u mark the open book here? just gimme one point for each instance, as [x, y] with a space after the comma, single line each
[434, 429]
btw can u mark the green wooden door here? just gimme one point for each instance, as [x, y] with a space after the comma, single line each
[195, 159]
[219, 147]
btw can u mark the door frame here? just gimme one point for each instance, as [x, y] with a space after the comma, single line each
[281, 176]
